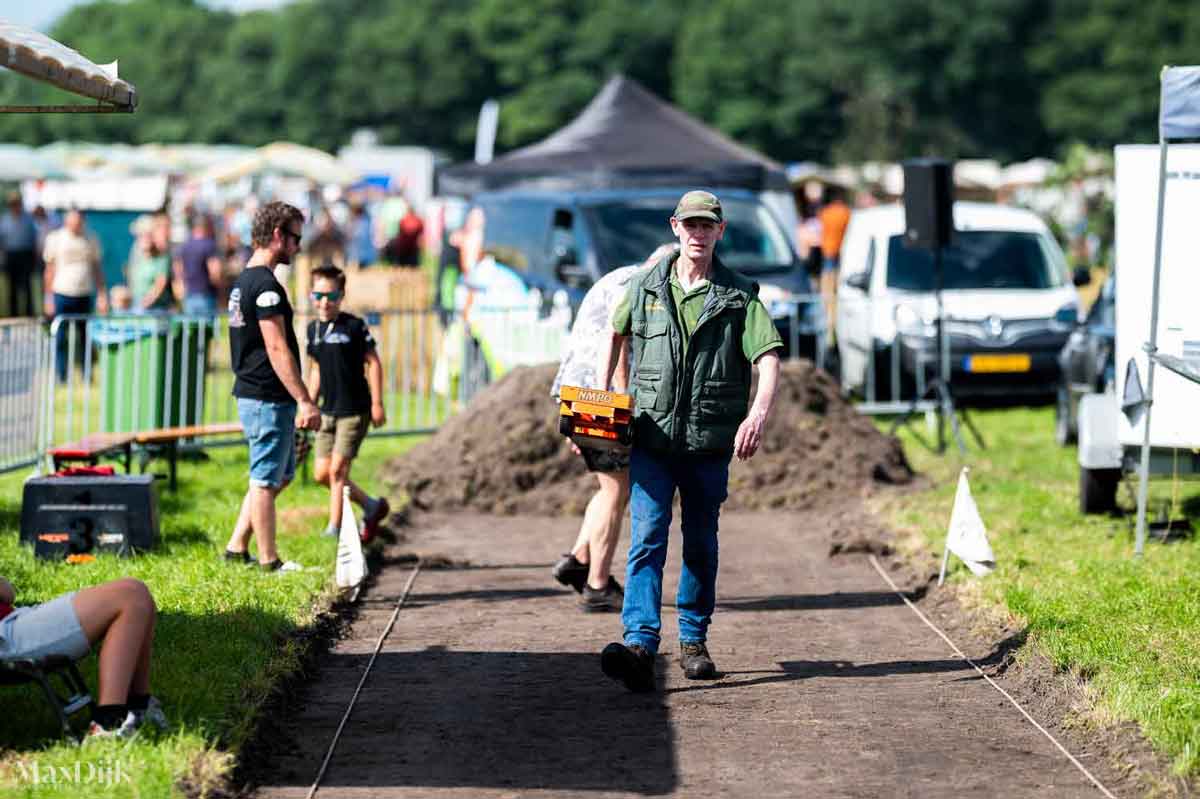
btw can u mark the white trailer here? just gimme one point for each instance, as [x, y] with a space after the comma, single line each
[1110, 440]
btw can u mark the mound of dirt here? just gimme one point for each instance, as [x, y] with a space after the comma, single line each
[503, 453]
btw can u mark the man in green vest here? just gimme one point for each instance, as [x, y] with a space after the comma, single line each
[696, 328]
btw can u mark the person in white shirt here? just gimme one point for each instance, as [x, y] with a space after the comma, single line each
[74, 284]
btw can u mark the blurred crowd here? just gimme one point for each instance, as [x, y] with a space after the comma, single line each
[184, 260]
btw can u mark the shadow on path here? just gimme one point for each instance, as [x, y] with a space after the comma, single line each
[518, 721]
[836, 601]
[789, 670]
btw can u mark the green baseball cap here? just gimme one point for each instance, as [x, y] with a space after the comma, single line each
[699, 205]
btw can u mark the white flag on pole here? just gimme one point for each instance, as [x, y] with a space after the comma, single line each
[351, 565]
[1179, 106]
[967, 537]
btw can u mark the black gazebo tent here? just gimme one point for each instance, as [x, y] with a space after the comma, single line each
[625, 137]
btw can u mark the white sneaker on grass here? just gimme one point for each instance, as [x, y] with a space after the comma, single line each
[127, 730]
[281, 567]
[152, 715]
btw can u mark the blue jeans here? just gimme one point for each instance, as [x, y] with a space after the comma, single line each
[200, 305]
[70, 306]
[270, 429]
[703, 482]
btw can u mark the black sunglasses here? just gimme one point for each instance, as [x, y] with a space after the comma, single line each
[284, 231]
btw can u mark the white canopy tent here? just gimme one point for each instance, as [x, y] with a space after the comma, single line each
[37, 56]
[1179, 120]
[281, 158]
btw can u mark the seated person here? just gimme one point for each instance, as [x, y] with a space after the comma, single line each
[120, 614]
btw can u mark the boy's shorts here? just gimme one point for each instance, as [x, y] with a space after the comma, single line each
[604, 460]
[270, 428]
[51, 628]
[342, 435]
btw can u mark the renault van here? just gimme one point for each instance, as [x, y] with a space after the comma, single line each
[1009, 304]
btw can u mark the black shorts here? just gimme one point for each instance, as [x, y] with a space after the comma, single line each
[605, 460]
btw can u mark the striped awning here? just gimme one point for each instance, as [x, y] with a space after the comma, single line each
[36, 55]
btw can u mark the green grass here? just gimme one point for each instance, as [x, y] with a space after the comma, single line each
[224, 636]
[1128, 626]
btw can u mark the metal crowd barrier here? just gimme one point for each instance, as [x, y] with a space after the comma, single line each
[887, 386]
[24, 365]
[130, 373]
[805, 333]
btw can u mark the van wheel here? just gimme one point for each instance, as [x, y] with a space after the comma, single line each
[1063, 433]
[1098, 490]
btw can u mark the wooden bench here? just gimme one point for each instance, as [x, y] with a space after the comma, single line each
[166, 440]
[92, 447]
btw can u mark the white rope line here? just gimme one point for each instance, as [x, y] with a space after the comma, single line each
[991, 682]
[349, 708]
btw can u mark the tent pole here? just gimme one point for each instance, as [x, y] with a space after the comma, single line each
[1151, 348]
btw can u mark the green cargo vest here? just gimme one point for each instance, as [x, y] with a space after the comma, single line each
[695, 407]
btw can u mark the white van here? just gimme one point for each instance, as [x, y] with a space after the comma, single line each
[1009, 305]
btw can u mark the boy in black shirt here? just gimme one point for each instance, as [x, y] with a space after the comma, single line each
[345, 370]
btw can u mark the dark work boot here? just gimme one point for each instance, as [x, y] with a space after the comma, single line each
[695, 662]
[631, 665]
[608, 599]
[570, 572]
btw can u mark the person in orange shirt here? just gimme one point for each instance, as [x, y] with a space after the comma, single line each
[834, 217]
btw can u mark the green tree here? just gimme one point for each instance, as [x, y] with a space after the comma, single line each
[1100, 60]
[552, 56]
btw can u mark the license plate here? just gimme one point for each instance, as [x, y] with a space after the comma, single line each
[1017, 362]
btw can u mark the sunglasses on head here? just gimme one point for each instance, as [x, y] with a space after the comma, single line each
[332, 296]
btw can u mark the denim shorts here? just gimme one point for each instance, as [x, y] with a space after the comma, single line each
[51, 628]
[270, 427]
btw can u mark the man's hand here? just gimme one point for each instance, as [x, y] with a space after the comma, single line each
[378, 414]
[102, 302]
[308, 416]
[574, 447]
[749, 435]
[48, 307]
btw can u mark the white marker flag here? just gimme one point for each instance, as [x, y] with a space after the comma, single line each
[351, 565]
[1179, 106]
[967, 537]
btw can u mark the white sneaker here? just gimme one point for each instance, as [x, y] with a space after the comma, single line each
[284, 566]
[127, 730]
[152, 715]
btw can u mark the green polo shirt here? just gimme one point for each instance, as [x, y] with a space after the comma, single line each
[758, 337]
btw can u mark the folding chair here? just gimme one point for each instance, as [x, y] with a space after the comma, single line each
[67, 700]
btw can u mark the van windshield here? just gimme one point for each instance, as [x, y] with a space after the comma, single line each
[627, 231]
[979, 259]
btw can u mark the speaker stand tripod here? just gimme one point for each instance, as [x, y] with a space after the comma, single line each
[939, 387]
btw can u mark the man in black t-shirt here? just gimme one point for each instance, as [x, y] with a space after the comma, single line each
[345, 371]
[271, 397]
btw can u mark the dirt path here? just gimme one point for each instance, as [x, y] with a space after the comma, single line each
[489, 685]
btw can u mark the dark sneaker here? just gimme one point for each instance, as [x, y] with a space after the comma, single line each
[371, 522]
[631, 665]
[571, 572]
[236, 557]
[695, 662]
[608, 599]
